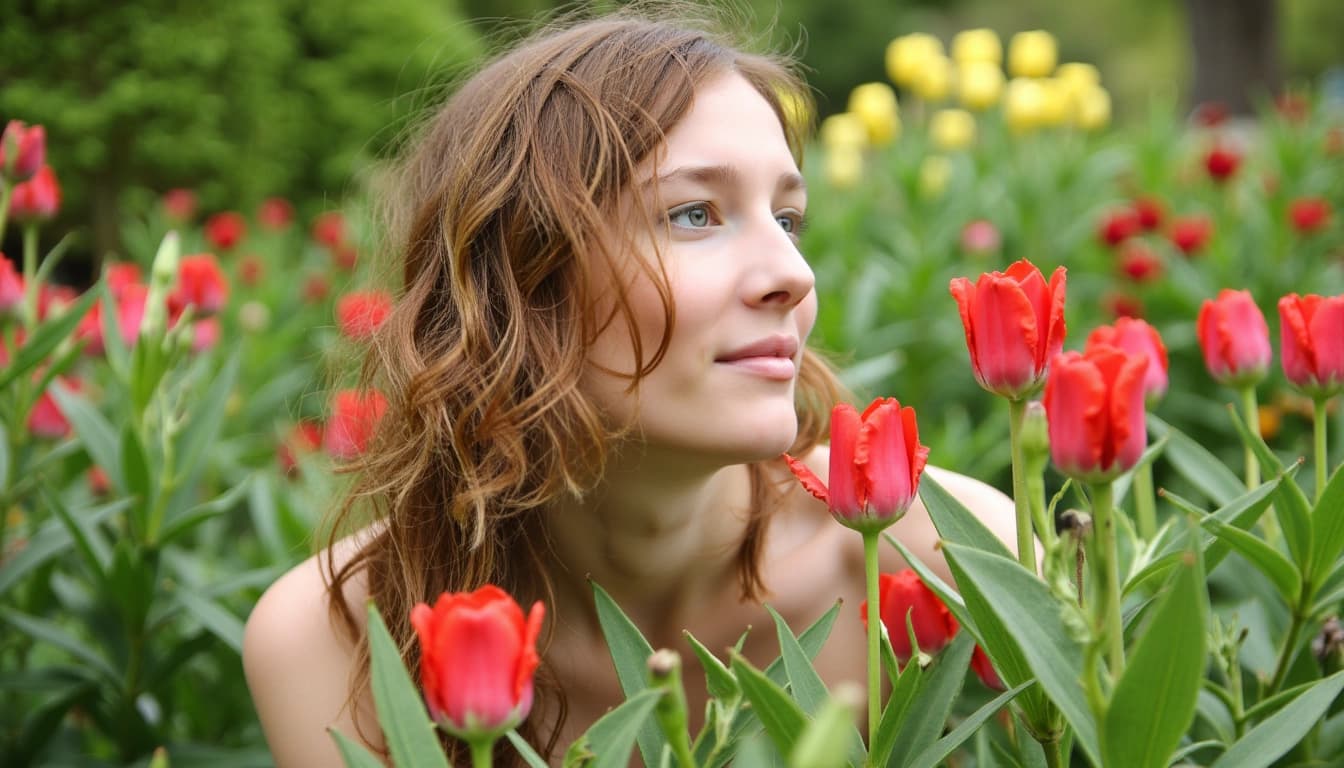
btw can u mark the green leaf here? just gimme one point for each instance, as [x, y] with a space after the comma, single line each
[51, 539]
[1327, 527]
[1293, 510]
[1196, 465]
[1120, 486]
[804, 682]
[630, 653]
[134, 463]
[114, 347]
[811, 641]
[613, 736]
[718, 680]
[1269, 560]
[781, 716]
[1003, 594]
[203, 430]
[90, 544]
[1277, 734]
[942, 682]
[525, 750]
[220, 621]
[95, 433]
[185, 521]
[52, 634]
[955, 522]
[46, 338]
[401, 713]
[1154, 702]
[933, 581]
[354, 755]
[936, 752]
[905, 691]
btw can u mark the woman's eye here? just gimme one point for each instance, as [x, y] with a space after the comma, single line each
[791, 222]
[693, 216]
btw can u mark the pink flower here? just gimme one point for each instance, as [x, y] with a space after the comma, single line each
[46, 419]
[1191, 233]
[1235, 339]
[275, 213]
[354, 417]
[1311, 339]
[1309, 214]
[1094, 404]
[876, 463]
[1139, 262]
[204, 334]
[179, 204]
[478, 654]
[980, 238]
[1137, 337]
[37, 199]
[225, 230]
[1014, 324]
[11, 287]
[360, 314]
[329, 229]
[200, 283]
[23, 150]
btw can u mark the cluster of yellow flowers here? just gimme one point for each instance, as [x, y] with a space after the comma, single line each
[1040, 93]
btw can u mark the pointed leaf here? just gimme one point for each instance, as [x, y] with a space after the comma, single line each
[401, 712]
[1327, 527]
[95, 432]
[1154, 702]
[810, 640]
[183, 522]
[1280, 732]
[905, 691]
[942, 682]
[718, 680]
[1019, 603]
[51, 539]
[630, 653]
[88, 541]
[934, 754]
[135, 470]
[955, 522]
[525, 750]
[220, 621]
[612, 737]
[781, 716]
[1194, 463]
[1267, 559]
[354, 755]
[52, 634]
[804, 682]
[1293, 510]
[46, 338]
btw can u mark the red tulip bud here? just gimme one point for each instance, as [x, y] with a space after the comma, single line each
[1094, 403]
[37, 199]
[1235, 339]
[23, 151]
[1312, 342]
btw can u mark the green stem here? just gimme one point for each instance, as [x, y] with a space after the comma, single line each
[870, 541]
[1318, 428]
[1145, 508]
[1106, 576]
[5, 192]
[481, 752]
[29, 277]
[1053, 756]
[1026, 544]
[1289, 644]
[1250, 411]
[1234, 688]
[1045, 528]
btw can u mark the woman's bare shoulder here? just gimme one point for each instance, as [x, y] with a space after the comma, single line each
[292, 644]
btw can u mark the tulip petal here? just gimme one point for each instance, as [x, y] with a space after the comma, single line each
[1327, 330]
[1006, 336]
[963, 291]
[1075, 402]
[847, 486]
[811, 483]
[1123, 442]
[884, 458]
[1057, 330]
[1295, 342]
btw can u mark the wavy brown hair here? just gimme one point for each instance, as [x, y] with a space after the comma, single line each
[503, 199]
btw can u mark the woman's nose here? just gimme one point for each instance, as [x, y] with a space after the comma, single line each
[779, 275]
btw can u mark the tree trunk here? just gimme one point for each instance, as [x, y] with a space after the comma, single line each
[1236, 52]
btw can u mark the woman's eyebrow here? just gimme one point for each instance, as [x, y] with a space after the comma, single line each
[723, 175]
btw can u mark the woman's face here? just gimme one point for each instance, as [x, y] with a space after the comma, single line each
[732, 203]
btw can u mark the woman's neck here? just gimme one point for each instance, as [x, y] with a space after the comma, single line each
[661, 538]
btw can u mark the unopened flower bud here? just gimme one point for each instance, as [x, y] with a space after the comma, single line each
[23, 150]
[670, 711]
[1328, 646]
[1035, 435]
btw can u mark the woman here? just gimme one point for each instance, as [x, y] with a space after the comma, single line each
[596, 361]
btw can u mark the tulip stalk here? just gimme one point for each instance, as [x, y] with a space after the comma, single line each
[1026, 545]
[1318, 430]
[1106, 576]
[6, 191]
[29, 276]
[1145, 508]
[1250, 411]
[482, 752]
[870, 541]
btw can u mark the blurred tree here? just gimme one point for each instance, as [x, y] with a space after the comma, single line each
[1236, 52]
[237, 100]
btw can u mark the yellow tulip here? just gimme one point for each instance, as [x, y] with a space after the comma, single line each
[979, 84]
[934, 81]
[843, 166]
[952, 129]
[906, 56]
[1032, 54]
[1024, 104]
[977, 45]
[1077, 75]
[875, 105]
[934, 173]
[843, 130]
[1058, 106]
[1093, 109]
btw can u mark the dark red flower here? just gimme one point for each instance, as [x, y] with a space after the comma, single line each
[1191, 233]
[329, 229]
[1210, 114]
[1139, 262]
[1309, 214]
[1150, 212]
[37, 199]
[303, 438]
[1118, 226]
[275, 213]
[1222, 162]
[179, 204]
[200, 283]
[1122, 305]
[250, 270]
[315, 289]
[225, 230]
[23, 150]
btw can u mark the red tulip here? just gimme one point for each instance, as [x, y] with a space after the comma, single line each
[305, 437]
[1122, 305]
[1210, 114]
[129, 301]
[11, 287]
[902, 594]
[1235, 339]
[37, 199]
[121, 274]
[1221, 162]
[354, 417]
[23, 150]
[54, 299]
[359, 314]
[477, 657]
[980, 238]
[1150, 212]
[1119, 226]
[179, 204]
[200, 283]
[46, 419]
[251, 269]
[1139, 262]
[1309, 214]
[345, 256]
[225, 230]
[984, 669]
[1191, 233]
[315, 289]
[329, 229]
[1014, 324]
[876, 462]
[205, 334]
[1137, 337]
[1311, 336]
[1094, 405]
[275, 213]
